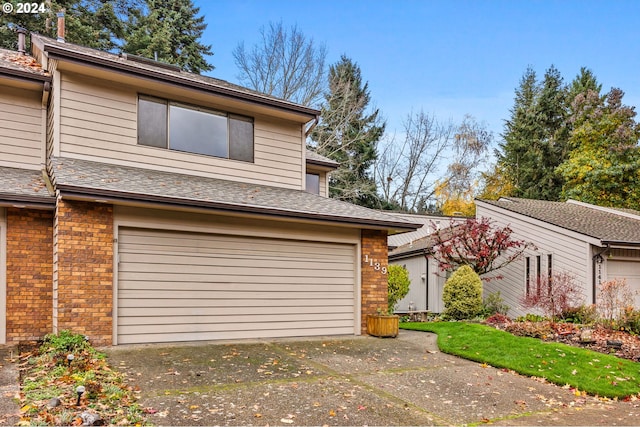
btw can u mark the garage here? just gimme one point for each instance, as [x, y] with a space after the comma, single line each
[189, 286]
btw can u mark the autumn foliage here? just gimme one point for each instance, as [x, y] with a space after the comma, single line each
[554, 295]
[477, 243]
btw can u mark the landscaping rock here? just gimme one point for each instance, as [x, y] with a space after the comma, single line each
[54, 403]
[91, 419]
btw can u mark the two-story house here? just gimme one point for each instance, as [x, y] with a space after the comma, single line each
[141, 203]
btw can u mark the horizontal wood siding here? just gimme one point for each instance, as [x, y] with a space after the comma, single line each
[569, 254]
[99, 122]
[21, 129]
[180, 286]
[417, 267]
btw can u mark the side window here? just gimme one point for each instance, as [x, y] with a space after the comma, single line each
[313, 183]
[527, 275]
[192, 129]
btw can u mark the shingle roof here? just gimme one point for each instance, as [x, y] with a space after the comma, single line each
[100, 180]
[416, 246]
[161, 71]
[23, 185]
[581, 218]
[13, 63]
[313, 157]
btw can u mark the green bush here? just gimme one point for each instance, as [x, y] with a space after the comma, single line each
[398, 285]
[584, 314]
[66, 341]
[462, 294]
[494, 304]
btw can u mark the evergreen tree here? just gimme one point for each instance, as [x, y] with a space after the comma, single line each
[170, 32]
[348, 134]
[604, 166]
[583, 82]
[536, 137]
[98, 24]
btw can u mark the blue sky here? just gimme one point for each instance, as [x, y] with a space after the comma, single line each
[448, 58]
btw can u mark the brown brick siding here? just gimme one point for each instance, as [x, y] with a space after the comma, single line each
[374, 282]
[29, 272]
[84, 248]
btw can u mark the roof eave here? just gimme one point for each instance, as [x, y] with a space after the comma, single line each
[325, 165]
[620, 243]
[72, 192]
[70, 55]
[24, 75]
[31, 202]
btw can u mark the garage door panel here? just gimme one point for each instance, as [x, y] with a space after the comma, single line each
[204, 282]
[178, 286]
[628, 270]
[151, 312]
[229, 335]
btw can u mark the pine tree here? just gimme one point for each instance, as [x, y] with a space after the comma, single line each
[536, 136]
[348, 134]
[583, 82]
[170, 32]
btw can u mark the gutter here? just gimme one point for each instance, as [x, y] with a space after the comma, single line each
[313, 125]
[72, 192]
[25, 75]
[27, 202]
[84, 59]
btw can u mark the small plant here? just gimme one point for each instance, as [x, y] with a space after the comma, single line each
[462, 294]
[584, 314]
[497, 319]
[541, 330]
[555, 295]
[398, 286]
[530, 317]
[630, 320]
[494, 304]
[66, 342]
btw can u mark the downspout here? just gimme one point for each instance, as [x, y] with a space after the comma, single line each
[426, 278]
[596, 259]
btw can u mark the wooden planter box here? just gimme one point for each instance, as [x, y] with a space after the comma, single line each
[383, 325]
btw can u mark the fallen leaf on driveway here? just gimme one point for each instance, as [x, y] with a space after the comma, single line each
[286, 420]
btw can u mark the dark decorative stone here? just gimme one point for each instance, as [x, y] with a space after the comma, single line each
[614, 343]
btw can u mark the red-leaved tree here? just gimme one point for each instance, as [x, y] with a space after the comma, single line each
[478, 244]
[554, 295]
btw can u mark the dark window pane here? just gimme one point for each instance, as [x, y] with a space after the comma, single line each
[198, 132]
[313, 183]
[241, 138]
[152, 122]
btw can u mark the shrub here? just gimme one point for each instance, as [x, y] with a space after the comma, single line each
[555, 295]
[497, 319]
[530, 317]
[615, 296]
[584, 314]
[398, 285]
[66, 341]
[462, 294]
[630, 320]
[541, 330]
[494, 304]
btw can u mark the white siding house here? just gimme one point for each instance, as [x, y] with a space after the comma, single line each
[592, 243]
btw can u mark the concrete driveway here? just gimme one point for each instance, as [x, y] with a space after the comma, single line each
[346, 381]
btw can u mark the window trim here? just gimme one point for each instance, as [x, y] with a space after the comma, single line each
[168, 103]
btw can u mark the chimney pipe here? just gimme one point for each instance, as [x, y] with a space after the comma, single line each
[60, 16]
[22, 33]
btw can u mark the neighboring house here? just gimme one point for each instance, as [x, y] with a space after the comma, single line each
[593, 243]
[140, 203]
[410, 251]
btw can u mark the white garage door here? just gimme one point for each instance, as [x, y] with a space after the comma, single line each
[177, 286]
[629, 270]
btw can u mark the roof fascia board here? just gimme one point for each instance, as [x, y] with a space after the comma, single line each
[116, 197]
[18, 201]
[605, 209]
[55, 52]
[540, 223]
[24, 75]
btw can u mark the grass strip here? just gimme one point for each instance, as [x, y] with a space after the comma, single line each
[585, 370]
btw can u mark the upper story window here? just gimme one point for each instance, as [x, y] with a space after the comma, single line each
[182, 127]
[313, 183]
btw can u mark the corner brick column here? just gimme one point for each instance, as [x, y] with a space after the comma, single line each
[374, 281]
[29, 274]
[83, 269]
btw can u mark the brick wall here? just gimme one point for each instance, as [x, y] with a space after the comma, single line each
[29, 274]
[83, 253]
[374, 281]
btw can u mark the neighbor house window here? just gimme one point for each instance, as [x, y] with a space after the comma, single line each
[313, 183]
[182, 127]
[527, 275]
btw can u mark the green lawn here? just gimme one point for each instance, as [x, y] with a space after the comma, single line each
[595, 373]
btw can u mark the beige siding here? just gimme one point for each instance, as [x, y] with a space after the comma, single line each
[425, 290]
[98, 122]
[570, 253]
[3, 277]
[21, 130]
[180, 285]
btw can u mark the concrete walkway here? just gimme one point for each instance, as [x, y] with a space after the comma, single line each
[9, 386]
[346, 381]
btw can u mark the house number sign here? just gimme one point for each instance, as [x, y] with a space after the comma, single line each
[375, 264]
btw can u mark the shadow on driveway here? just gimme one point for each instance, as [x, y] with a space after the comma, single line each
[346, 381]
